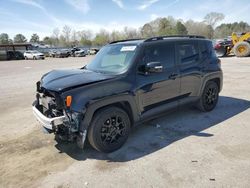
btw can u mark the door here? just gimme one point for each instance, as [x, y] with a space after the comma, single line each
[155, 89]
[190, 66]
[29, 55]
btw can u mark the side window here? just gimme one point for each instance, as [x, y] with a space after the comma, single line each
[188, 53]
[211, 50]
[204, 50]
[163, 53]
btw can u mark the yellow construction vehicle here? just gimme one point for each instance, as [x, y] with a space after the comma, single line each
[239, 45]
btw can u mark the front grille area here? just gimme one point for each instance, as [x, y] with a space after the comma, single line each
[49, 103]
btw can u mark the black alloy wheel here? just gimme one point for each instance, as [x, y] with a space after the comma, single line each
[209, 98]
[109, 129]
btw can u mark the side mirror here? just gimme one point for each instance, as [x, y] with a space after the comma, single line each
[153, 67]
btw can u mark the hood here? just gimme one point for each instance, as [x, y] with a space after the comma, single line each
[60, 80]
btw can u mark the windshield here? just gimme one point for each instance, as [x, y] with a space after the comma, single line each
[34, 51]
[113, 59]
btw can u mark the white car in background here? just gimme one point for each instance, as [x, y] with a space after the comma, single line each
[80, 53]
[33, 54]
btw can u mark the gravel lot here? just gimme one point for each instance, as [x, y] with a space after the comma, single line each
[187, 149]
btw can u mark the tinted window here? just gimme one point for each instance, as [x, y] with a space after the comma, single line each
[204, 50]
[163, 53]
[211, 50]
[188, 53]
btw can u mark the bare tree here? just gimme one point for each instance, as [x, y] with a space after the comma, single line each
[56, 33]
[147, 30]
[66, 34]
[130, 33]
[55, 37]
[213, 18]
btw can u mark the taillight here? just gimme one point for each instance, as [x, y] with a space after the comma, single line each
[217, 46]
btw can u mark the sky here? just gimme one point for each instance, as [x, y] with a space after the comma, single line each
[42, 16]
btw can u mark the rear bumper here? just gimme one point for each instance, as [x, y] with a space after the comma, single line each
[48, 123]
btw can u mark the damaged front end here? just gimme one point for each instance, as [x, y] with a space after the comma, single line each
[55, 117]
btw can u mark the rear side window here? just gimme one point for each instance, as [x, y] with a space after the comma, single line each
[207, 50]
[204, 48]
[188, 52]
[161, 52]
[211, 50]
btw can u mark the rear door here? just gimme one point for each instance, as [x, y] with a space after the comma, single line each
[160, 88]
[190, 66]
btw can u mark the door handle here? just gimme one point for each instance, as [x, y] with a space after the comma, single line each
[173, 76]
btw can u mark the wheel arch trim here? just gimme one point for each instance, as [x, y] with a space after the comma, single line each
[94, 105]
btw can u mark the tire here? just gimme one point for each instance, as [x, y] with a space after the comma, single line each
[242, 49]
[25, 58]
[209, 97]
[109, 129]
[34, 57]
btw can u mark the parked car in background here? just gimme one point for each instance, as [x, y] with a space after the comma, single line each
[73, 50]
[33, 54]
[52, 53]
[62, 53]
[81, 53]
[14, 55]
[93, 51]
[222, 47]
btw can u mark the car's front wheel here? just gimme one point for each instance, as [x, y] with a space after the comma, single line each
[109, 129]
[209, 97]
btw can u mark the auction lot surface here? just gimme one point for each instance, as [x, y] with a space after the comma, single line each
[186, 148]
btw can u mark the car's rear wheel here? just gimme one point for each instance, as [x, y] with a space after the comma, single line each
[26, 57]
[209, 97]
[109, 129]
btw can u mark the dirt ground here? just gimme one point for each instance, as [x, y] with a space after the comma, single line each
[186, 148]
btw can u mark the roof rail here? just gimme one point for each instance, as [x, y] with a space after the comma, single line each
[173, 36]
[124, 40]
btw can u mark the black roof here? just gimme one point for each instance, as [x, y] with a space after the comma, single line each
[137, 41]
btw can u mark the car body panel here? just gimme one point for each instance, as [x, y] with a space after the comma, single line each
[59, 80]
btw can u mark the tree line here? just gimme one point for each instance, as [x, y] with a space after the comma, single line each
[67, 37]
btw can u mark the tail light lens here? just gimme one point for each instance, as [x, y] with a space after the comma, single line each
[217, 46]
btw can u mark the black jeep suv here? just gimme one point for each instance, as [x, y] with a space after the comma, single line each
[126, 83]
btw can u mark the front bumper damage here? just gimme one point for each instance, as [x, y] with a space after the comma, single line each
[47, 123]
[65, 126]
